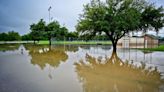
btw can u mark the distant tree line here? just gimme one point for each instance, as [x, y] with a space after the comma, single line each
[10, 36]
[42, 31]
[68, 36]
[54, 31]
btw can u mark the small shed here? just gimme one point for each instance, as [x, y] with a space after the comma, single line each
[146, 41]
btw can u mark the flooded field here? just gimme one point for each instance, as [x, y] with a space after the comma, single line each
[79, 68]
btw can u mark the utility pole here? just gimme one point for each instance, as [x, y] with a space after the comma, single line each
[49, 9]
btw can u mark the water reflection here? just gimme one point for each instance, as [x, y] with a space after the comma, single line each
[40, 68]
[114, 75]
[42, 55]
[88, 47]
[7, 47]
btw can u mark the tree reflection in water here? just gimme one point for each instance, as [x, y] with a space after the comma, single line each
[9, 47]
[114, 75]
[42, 55]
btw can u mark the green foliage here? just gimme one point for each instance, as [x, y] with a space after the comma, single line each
[37, 30]
[152, 18]
[26, 37]
[116, 18]
[10, 36]
[13, 36]
[3, 36]
[62, 33]
[43, 31]
[72, 36]
[54, 30]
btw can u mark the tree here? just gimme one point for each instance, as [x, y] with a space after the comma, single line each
[54, 29]
[62, 33]
[26, 37]
[13, 36]
[152, 18]
[116, 18]
[37, 30]
[10, 36]
[3, 36]
[51, 30]
[72, 35]
[43, 31]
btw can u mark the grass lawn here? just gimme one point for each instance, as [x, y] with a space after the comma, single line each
[160, 48]
[76, 42]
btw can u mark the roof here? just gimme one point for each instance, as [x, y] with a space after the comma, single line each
[149, 35]
[152, 36]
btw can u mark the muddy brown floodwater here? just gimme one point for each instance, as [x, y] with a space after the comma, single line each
[79, 68]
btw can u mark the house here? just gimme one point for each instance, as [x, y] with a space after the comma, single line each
[146, 41]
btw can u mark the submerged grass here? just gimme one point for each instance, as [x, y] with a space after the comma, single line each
[159, 48]
[4, 47]
[76, 42]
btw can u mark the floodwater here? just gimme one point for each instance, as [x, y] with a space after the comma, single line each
[79, 68]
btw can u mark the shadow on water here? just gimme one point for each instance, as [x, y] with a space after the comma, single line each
[114, 75]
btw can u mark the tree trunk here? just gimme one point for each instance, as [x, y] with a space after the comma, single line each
[114, 41]
[114, 44]
[114, 47]
[49, 41]
[34, 41]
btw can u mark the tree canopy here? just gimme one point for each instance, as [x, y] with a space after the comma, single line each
[41, 30]
[115, 18]
[37, 30]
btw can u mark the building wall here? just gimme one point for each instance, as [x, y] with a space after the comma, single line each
[151, 43]
[136, 42]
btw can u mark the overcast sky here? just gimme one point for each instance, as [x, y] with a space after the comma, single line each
[17, 15]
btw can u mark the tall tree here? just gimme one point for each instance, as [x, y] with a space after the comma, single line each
[52, 29]
[41, 30]
[116, 18]
[37, 30]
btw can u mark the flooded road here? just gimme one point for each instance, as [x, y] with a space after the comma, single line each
[79, 68]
